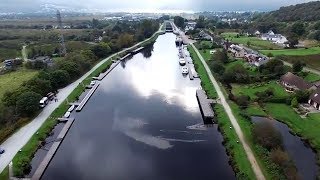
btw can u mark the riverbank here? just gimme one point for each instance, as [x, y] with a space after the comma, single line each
[23, 158]
[236, 152]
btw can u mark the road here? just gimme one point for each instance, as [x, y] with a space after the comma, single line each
[304, 69]
[233, 120]
[24, 53]
[15, 142]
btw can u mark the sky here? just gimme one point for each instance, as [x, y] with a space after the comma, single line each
[148, 5]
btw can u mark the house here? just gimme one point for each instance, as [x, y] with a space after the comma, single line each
[256, 59]
[237, 51]
[292, 83]
[257, 33]
[275, 38]
[314, 99]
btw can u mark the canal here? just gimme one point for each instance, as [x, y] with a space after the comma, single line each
[143, 122]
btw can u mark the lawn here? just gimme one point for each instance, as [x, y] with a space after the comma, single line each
[311, 77]
[235, 149]
[13, 80]
[5, 174]
[251, 89]
[255, 110]
[293, 52]
[255, 43]
[308, 128]
[205, 80]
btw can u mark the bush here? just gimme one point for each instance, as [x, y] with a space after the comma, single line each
[243, 101]
[294, 102]
[28, 103]
[266, 135]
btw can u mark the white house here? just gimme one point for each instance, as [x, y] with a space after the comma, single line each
[275, 38]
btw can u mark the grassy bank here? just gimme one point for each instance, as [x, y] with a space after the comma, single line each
[205, 80]
[238, 157]
[311, 61]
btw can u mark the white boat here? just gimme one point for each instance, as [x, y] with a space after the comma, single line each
[67, 114]
[71, 108]
[182, 62]
[185, 70]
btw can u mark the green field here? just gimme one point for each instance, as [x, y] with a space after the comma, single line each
[312, 61]
[308, 128]
[255, 43]
[311, 77]
[293, 52]
[251, 89]
[255, 110]
[13, 80]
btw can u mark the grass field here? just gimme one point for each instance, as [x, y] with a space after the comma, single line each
[255, 110]
[255, 43]
[250, 90]
[293, 52]
[311, 77]
[308, 128]
[13, 80]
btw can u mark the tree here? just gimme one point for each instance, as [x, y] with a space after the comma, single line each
[243, 101]
[28, 103]
[101, 50]
[217, 67]
[293, 40]
[73, 69]
[221, 56]
[298, 28]
[279, 157]
[179, 21]
[59, 78]
[248, 43]
[200, 22]
[266, 135]
[39, 86]
[297, 66]
[294, 102]
[302, 96]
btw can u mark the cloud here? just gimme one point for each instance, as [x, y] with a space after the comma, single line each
[195, 5]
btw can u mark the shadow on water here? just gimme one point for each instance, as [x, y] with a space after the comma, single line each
[302, 155]
[143, 122]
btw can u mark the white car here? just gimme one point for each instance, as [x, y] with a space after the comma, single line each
[182, 62]
[185, 70]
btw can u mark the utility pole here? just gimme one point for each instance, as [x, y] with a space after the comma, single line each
[63, 49]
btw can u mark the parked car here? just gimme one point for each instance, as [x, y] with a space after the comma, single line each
[185, 70]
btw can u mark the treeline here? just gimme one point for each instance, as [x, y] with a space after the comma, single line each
[23, 103]
[300, 12]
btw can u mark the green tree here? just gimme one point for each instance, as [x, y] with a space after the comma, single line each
[28, 103]
[297, 66]
[179, 21]
[221, 56]
[293, 40]
[217, 67]
[59, 78]
[101, 50]
[39, 86]
[298, 28]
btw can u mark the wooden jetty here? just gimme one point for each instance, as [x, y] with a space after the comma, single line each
[137, 50]
[47, 159]
[125, 57]
[205, 107]
[87, 97]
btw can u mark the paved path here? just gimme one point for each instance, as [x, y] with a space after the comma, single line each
[233, 120]
[24, 53]
[305, 68]
[14, 143]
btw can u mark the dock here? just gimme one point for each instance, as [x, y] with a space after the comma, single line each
[63, 120]
[87, 97]
[205, 107]
[103, 75]
[137, 50]
[47, 159]
[125, 57]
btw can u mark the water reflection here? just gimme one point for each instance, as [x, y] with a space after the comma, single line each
[143, 122]
[147, 51]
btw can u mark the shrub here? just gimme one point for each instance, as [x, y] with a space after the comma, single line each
[266, 135]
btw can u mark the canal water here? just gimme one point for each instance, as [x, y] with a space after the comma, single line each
[143, 122]
[302, 155]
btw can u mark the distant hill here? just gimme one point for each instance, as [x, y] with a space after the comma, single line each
[301, 12]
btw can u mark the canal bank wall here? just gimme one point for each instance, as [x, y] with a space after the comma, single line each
[47, 159]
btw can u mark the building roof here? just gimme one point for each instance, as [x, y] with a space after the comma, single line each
[295, 81]
[315, 97]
